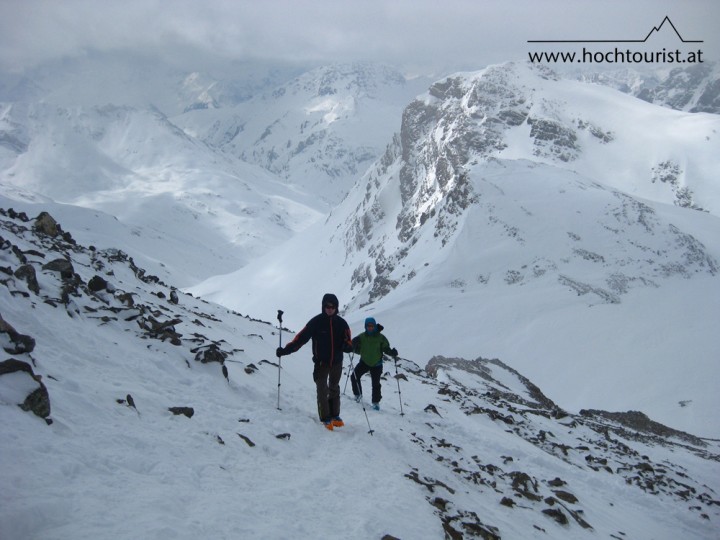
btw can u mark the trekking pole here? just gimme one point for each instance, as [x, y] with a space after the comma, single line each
[352, 356]
[362, 402]
[279, 318]
[397, 378]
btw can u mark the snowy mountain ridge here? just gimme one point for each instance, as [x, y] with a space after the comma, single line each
[529, 205]
[694, 89]
[161, 406]
[319, 131]
[463, 123]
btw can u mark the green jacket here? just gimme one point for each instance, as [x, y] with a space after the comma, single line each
[371, 347]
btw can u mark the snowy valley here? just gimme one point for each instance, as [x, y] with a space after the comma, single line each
[543, 251]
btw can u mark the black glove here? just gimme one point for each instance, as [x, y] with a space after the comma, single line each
[280, 352]
[347, 348]
[393, 352]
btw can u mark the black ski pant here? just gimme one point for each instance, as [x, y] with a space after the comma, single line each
[375, 373]
[327, 382]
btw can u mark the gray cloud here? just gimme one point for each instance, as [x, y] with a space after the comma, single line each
[424, 35]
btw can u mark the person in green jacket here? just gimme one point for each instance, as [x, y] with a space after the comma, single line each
[371, 345]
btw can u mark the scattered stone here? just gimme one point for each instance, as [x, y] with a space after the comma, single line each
[566, 496]
[97, 284]
[47, 225]
[432, 408]
[38, 400]
[246, 439]
[524, 485]
[26, 272]
[187, 411]
[63, 266]
[440, 503]
[557, 515]
[211, 354]
[19, 343]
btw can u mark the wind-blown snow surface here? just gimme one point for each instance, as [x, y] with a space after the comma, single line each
[478, 451]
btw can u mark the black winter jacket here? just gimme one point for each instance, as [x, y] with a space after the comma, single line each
[330, 338]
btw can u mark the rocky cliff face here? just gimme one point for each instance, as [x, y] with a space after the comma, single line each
[449, 165]
[42, 266]
[693, 89]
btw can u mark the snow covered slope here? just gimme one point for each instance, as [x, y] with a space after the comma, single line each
[129, 428]
[517, 216]
[136, 165]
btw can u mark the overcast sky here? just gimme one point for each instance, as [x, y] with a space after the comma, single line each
[422, 35]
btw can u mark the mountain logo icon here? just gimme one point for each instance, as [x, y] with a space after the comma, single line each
[653, 30]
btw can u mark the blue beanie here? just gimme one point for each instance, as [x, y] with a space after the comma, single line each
[370, 320]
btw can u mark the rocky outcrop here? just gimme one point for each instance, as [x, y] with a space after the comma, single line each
[695, 89]
[597, 442]
[26, 389]
[446, 166]
[43, 263]
[13, 342]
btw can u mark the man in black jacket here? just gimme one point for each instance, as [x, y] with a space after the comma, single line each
[331, 337]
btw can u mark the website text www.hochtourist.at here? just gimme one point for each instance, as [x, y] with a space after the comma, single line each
[617, 55]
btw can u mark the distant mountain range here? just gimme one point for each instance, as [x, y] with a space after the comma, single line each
[694, 89]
